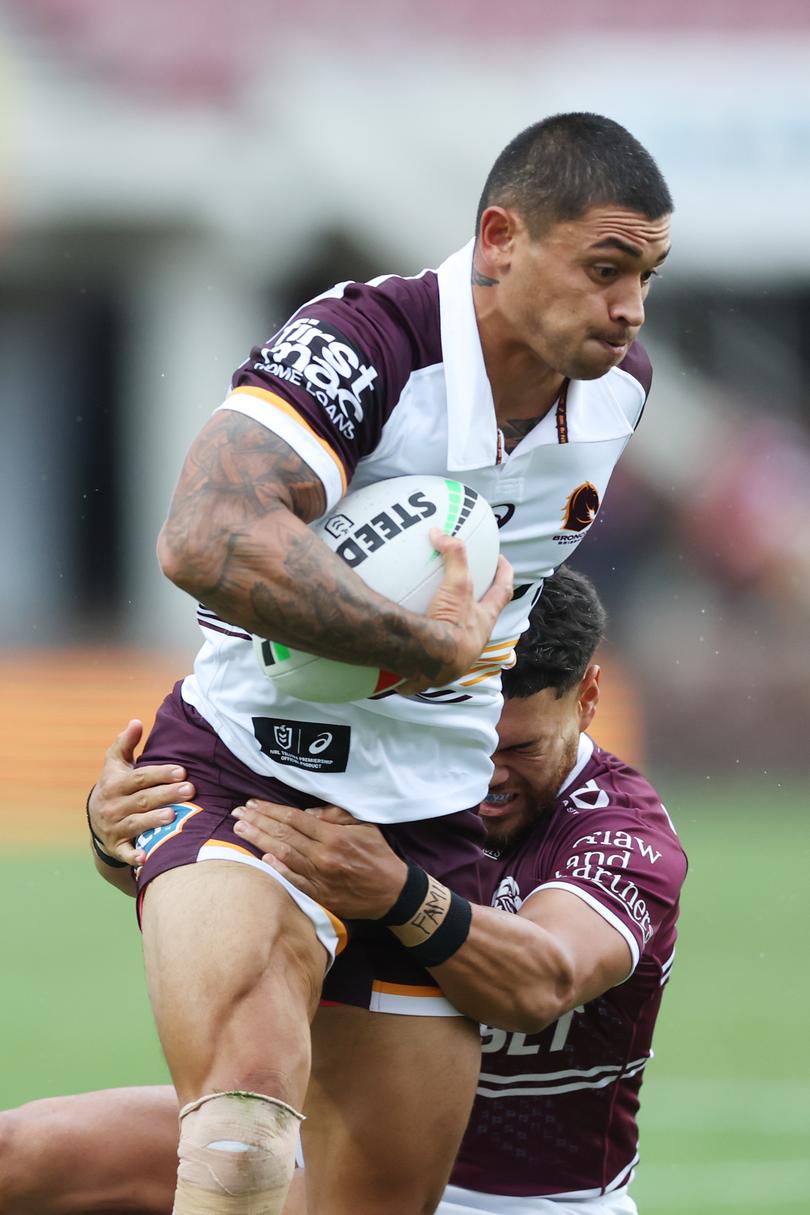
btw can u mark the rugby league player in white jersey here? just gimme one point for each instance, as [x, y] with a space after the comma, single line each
[513, 368]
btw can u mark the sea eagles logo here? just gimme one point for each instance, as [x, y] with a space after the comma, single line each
[581, 508]
[507, 896]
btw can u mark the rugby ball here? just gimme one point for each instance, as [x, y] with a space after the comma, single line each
[383, 533]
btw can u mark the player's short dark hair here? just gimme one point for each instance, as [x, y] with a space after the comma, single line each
[558, 168]
[565, 627]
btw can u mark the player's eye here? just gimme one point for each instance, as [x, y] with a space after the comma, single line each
[648, 275]
[604, 272]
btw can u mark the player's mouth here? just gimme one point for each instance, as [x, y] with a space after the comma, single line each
[495, 805]
[617, 348]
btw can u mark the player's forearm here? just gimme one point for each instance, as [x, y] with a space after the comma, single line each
[281, 581]
[509, 973]
[122, 878]
[237, 540]
[496, 967]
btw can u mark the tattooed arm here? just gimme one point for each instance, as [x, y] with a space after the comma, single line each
[236, 539]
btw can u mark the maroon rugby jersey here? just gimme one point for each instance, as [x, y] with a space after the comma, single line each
[555, 1112]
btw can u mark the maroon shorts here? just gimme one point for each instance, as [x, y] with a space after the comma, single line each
[373, 970]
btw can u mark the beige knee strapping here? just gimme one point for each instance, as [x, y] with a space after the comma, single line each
[237, 1155]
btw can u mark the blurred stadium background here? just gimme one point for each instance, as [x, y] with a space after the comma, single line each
[176, 176]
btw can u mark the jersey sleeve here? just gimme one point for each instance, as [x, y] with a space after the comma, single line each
[328, 381]
[629, 869]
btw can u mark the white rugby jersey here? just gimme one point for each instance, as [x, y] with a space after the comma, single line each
[376, 380]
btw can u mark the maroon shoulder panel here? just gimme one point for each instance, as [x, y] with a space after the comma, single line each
[637, 364]
[343, 360]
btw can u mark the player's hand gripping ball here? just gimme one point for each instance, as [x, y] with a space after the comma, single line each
[382, 532]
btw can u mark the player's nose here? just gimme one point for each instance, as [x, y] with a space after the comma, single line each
[627, 305]
[500, 774]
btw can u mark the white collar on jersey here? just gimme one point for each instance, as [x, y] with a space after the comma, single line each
[472, 428]
[584, 753]
[472, 431]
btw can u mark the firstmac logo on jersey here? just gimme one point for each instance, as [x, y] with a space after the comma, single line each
[313, 355]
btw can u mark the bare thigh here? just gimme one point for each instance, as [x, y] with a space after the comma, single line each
[234, 971]
[387, 1105]
[106, 1151]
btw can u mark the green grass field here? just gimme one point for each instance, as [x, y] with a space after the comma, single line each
[726, 1103]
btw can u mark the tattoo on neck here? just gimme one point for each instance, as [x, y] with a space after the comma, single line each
[515, 429]
[483, 280]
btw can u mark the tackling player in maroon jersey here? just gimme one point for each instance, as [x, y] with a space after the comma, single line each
[579, 847]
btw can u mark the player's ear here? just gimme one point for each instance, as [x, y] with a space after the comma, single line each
[588, 695]
[496, 236]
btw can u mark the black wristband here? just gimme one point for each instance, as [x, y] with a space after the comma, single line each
[105, 858]
[448, 937]
[411, 897]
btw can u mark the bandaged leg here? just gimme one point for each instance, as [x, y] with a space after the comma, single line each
[237, 1155]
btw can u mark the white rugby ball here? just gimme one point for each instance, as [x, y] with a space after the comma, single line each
[383, 532]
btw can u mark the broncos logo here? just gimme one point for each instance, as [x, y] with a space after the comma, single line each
[581, 508]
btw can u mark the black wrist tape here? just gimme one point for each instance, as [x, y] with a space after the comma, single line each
[98, 847]
[437, 946]
[411, 897]
[448, 937]
[105, 857]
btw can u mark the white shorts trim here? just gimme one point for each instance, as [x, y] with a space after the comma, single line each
[457, 1201]
[325, 926]
[409, 1002]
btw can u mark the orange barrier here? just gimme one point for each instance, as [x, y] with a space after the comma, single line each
[619, 722]
[60, 709]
